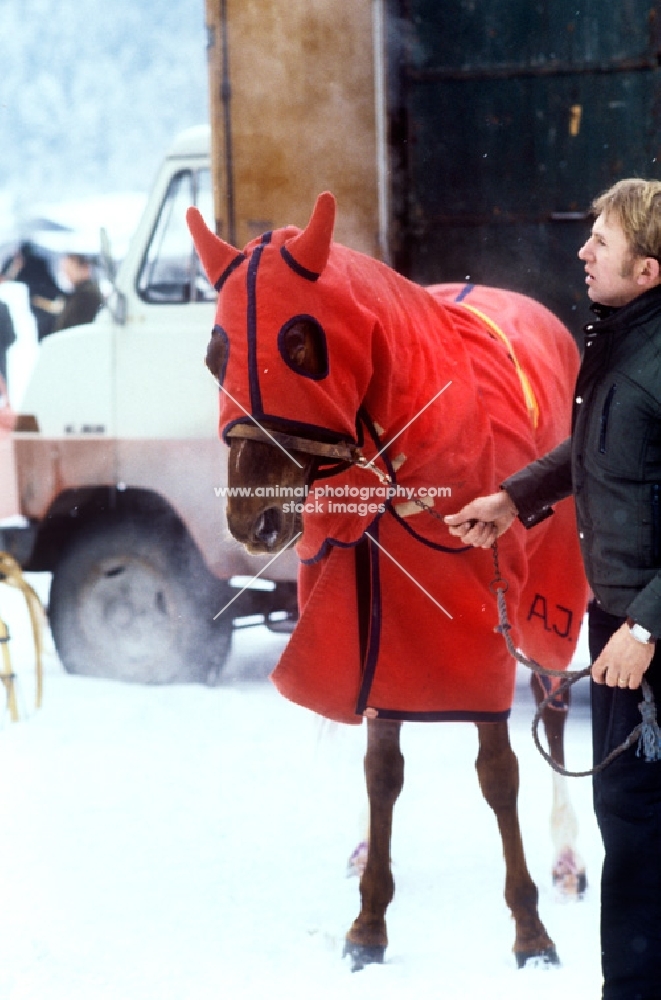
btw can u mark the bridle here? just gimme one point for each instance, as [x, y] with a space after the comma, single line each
[341, 451]
[331, 457]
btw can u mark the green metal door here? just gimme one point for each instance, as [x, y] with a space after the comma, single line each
[507, 117]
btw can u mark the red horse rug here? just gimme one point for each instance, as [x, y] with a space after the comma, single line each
[445, 390]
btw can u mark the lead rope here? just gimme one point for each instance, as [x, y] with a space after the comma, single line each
[647, 732]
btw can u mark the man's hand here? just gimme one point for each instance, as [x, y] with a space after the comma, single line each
[623, 660]
[483, 520]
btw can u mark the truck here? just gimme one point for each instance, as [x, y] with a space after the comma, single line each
[463, 142]
[116, 473]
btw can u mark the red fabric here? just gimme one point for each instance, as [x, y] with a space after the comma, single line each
[392, 346]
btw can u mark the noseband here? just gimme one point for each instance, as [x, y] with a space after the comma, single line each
[342, 451]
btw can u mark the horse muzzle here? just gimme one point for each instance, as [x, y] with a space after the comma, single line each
[271, 530]
[265, 485]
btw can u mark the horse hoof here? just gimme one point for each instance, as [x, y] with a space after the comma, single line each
[363, 954]
[536, 958]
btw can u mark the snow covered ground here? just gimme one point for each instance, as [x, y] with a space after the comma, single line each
[187, 843]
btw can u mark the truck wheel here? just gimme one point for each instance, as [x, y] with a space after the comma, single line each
[132, 601]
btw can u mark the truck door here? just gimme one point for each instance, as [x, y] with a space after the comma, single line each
[171, 312]
[166, 400]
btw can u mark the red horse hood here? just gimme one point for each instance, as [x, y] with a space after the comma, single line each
[355, 309]
[265, 293]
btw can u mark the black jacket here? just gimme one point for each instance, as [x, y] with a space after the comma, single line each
[612, 462]
[7, 337]
[81, 306]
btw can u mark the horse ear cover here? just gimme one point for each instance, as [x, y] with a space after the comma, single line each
[311, 248]
[215, 254]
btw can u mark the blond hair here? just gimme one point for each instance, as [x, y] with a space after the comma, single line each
[635, 204]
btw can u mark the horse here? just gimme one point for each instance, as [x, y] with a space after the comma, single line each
[358, 408]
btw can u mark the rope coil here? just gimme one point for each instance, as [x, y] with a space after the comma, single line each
[647, 732]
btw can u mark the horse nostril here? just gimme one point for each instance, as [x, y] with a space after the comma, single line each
[268, 526]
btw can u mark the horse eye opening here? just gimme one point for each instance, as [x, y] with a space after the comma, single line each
[302, 344]
[217, 353]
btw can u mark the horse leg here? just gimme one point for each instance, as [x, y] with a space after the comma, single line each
[568, 868]
[498, 774]
[367, 939]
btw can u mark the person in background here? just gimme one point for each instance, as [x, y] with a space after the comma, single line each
[612, 467]
[7, 337]
[30, 268]
[83, 301]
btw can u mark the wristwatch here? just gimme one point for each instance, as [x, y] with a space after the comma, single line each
[639, 633]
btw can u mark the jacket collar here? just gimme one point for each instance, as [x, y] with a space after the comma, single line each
[641, 309]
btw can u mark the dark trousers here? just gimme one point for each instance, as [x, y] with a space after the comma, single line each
[627, 803]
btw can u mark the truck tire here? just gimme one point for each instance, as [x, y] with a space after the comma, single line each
[131, 600]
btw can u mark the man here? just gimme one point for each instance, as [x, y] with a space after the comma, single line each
[84, 300]
[612, 466]
[7, 338]
[30, 268]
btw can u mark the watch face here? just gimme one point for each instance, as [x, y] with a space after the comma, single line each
[640, 633]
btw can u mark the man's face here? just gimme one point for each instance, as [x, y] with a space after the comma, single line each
[75, 269]
[611, 271]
